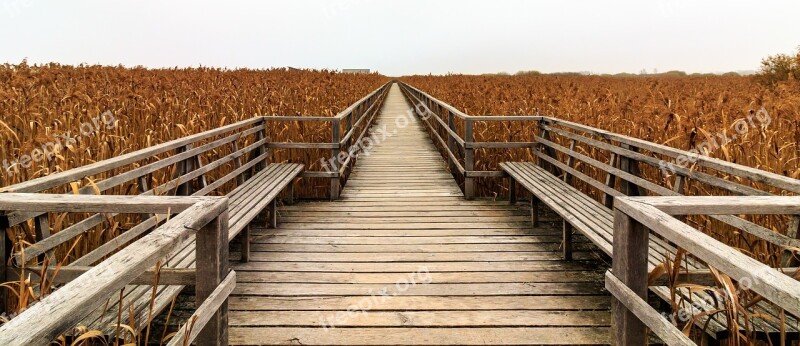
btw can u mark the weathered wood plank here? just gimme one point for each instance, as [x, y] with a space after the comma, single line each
[419, 336]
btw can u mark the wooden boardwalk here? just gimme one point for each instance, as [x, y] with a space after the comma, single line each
[469, 272]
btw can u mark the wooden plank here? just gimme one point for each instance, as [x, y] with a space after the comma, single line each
[405, 267]
[427, 319]
[479, 289]
[166, 276]
[418, 336]
[717, 205]
[488, 256]
[399, 247]
[423, 303]
[578, 275]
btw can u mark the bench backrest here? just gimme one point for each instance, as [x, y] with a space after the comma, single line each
[606, 165]
[208, 163]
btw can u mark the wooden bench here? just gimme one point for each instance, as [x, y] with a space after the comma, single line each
[551, 182]
[595, 221]
[236, 153]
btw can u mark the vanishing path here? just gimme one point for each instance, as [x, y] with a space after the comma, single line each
[483, 274]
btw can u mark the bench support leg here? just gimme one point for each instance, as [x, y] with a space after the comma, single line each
[512, 190]
[245, 239]
[273, 213]
[290, 192]
[567, 241]
[535, 211]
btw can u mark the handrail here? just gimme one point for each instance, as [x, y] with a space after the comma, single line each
[364, 111]
[78, 173]
[205, 218]
[636, 217]
[627, 147]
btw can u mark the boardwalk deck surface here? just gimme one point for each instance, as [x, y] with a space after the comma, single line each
[469, 272]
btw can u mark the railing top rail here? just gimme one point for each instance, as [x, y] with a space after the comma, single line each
[762, 279]
[352, 107]
[68, 176]
[754, 174]
[66, 203]
[65, 307]
[444, 105]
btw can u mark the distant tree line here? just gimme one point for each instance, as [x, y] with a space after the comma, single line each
[779, 68]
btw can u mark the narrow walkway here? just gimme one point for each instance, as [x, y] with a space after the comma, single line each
[414, 263]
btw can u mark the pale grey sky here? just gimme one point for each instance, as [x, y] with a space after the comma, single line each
[403, 37]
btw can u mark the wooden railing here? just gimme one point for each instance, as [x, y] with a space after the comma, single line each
[606, 164]
[455, 136]
[203, 218]
[636, 217]
[347, 130]
[214, 161]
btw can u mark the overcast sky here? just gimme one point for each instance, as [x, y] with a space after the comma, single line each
[403, 37]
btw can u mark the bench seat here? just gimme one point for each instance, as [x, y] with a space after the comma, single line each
[595, 221]
[246, 202]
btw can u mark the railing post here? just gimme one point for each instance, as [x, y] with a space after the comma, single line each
[451, 142]
[631, 166]
[469, 159]
[611, 181]
[544, 134]
[182, 168]
[335, 186]
[41, 225]
[261, 150]
[5, 253]
[237, 163]
[629, 265]
[212, 267]
[570, 163]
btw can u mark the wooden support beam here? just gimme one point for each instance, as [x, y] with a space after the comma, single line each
[273, 214]
[41, 225]
[5, 254]
[631, 166]
[512, 190]
[212, 268]
[237, 163]
[182, 168]
[567, 235]
[629, 265]
[534, 211]
[335, 182]
[469, 160]
[611, 181]
[245, 239]
[570, 163]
